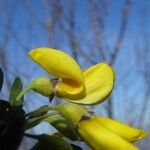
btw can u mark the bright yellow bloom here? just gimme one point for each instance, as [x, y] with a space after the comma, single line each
[63, 66]
[86, 87]
[126, 132]
[102, 133]
[99, 81]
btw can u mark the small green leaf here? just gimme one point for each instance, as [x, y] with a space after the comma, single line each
[1, 78]
[50, 142]
[15, 90]
[53, 142]
[39, 146]
[75, 147]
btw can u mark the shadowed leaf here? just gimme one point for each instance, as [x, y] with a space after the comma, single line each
[39, 146]
[15, 90]
[50, 142]
[1, 78]
[75, 147]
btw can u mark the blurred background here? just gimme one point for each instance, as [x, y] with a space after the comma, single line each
[91, 31]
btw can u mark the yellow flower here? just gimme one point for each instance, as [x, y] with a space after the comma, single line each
[102, 133]
[63, 66]
[99, 81]
[91, 86]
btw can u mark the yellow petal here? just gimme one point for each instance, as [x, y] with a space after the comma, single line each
[99, 82]
[101, 138]
[63, 66]
[127, 132]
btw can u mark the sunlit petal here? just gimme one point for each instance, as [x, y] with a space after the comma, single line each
[101, 138]
[99, 82]
[127, 132]
[63, 66]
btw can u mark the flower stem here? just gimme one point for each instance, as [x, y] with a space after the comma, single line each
[40, 111]
[28, 88]
[31, 136]
[45, 118]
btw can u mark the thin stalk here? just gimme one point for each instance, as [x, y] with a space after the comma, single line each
[28, 88]
[41, 111]
[32, 136]
[35, 121]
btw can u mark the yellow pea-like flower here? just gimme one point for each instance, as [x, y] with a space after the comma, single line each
[88, 87]
[125, 131]
[99, 81]
[100, 133]
[62, 66]
[106, 134]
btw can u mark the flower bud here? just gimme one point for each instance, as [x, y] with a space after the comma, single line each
[43, 86]
[65, 128]
[72, 112]
[98, 137]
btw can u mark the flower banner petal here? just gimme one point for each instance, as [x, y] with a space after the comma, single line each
[127, 132]
[101, 138]
[99, 82]
[63, 66]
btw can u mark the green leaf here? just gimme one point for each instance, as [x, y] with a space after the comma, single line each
[14, 92]
[39, 146]
[75, 147]
[54, 142]
[1, 78]
[50, 142]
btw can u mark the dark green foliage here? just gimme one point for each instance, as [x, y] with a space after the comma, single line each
[15, 91]
[40, 146]
[12, 126]
[51, 142]
[1, 78]
[75, 147]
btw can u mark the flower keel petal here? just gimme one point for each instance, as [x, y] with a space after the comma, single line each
[126, 132]
[101, 138]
